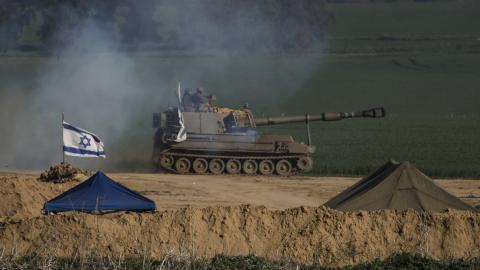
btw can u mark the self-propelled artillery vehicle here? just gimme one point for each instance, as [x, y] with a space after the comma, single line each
[222, 140]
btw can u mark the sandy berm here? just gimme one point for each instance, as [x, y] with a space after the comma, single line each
[273, 225]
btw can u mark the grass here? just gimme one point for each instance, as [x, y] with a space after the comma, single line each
[444, 148]
[405, 18]
[433, 113]
[220, 262]
[409, 261]
[404, 26]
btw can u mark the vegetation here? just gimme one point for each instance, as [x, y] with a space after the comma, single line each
[432, 121]
[162, 24]
[404, 26]
[352, 26]
[409, 261]
[220, 262]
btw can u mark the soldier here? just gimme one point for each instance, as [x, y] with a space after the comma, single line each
[187, 101]
[246, 108]
[199, 101]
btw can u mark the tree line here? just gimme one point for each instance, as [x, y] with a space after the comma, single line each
[47, 25]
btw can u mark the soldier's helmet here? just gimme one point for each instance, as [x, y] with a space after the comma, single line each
[200, 90]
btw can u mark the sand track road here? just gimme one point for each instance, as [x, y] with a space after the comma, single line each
[177, 191]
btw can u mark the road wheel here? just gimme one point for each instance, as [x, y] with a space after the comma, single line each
[233, 166]
[182, 165]
[250, 166]
[266, 167]
[284, 167]
[200, 166]
[216, 166]
[166, 161]
[305, 164]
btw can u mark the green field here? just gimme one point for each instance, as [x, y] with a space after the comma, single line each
[406, 18]
[403, 26]
[429, 87]
[433, 114]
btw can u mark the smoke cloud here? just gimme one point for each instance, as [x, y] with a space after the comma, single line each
[98, 91]
[104, 89]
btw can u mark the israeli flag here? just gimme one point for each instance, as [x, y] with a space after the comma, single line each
[81, 143]
[182, 133]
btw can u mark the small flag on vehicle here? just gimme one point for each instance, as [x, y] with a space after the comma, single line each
[81, 143]
[182, 132]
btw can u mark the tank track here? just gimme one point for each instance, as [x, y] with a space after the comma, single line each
[189, 163]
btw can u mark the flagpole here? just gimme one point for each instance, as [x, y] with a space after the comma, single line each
[63, 152]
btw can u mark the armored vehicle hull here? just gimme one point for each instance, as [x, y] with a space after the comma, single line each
[236, 154]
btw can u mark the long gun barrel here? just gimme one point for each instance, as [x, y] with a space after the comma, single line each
[327, 116]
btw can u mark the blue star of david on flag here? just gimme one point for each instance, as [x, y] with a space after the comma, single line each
[85, 141]
[81, 143]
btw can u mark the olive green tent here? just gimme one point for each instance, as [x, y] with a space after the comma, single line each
[396, 186]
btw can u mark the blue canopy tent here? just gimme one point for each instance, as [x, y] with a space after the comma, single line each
[99, 194]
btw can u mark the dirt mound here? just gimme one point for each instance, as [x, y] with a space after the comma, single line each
[62, 173]
[309, 235]
[304, 234]
[24, 196]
